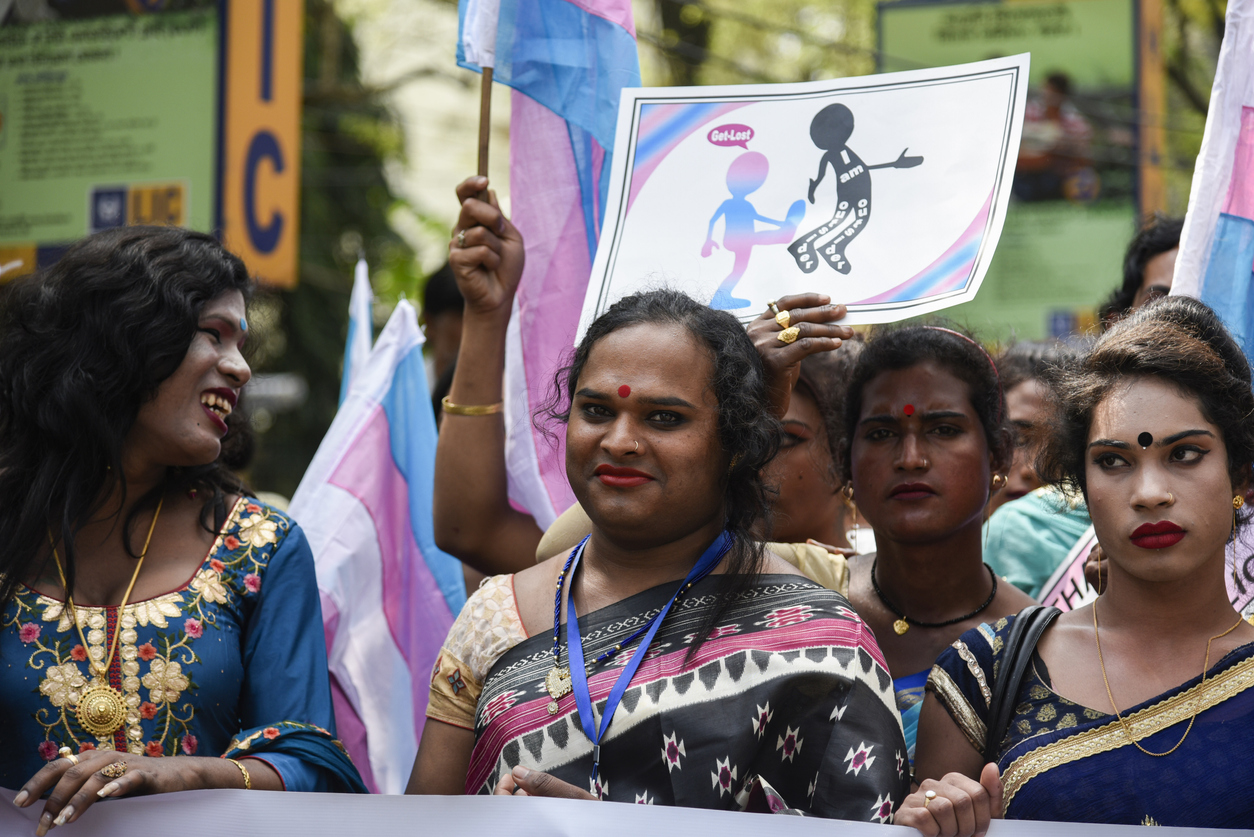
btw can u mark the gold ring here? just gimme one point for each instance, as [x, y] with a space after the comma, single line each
[773, 307]
[68, 754]
[789, 335]
[784, 319]
[115, 770]
[461, 239]
[928, 797]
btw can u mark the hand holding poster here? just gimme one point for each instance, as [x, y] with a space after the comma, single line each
[887, 192]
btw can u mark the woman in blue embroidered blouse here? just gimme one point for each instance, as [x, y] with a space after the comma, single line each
[149, 607]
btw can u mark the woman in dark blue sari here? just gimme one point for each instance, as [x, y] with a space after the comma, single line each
[1138, 709]
[148, 606]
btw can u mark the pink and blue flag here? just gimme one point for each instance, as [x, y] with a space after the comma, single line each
[1216, 260]
[567, 62]
[389, 595]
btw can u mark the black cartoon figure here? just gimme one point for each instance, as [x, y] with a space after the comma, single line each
[830, 130]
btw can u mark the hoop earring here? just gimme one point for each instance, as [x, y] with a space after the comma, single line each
[999, 481]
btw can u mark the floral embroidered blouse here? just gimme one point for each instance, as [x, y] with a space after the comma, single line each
[233, 663]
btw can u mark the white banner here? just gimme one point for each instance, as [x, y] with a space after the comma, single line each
[243, 813]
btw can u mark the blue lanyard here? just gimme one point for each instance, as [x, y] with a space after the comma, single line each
[574, 647]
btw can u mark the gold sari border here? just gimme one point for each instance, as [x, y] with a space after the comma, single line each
[947, 692]
[1144, 723]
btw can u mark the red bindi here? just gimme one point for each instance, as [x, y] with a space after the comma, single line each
[624, 391]
[909, 409]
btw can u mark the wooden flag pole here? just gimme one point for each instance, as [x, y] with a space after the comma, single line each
[485, 125]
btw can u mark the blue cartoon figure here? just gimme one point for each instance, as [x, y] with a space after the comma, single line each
[746, 175]
[830, 130]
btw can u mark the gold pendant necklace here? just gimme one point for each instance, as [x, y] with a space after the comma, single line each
[101, 709]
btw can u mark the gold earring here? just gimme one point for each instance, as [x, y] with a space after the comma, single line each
[853, 508]
[999, 481]
[735, 460]
[1237, 502]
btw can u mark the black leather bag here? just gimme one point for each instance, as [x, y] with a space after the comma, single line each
[1025, 632]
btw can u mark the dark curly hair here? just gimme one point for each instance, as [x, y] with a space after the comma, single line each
[747, 430]
[1175, 339]
[1159, 235]
[83, 344]
[894, 348]
[825, 378]
[1029, 361]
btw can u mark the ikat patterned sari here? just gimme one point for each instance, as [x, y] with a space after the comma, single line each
[788, 704]
[1068, 763]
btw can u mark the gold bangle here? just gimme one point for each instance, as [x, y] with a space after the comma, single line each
[471, 409]
[248, 780]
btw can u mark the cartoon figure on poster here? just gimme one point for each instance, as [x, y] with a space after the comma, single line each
[830, 130]
[746, 175]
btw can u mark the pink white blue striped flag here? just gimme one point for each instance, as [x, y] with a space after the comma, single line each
[388, 595]
[567, 61]
[1216, 260]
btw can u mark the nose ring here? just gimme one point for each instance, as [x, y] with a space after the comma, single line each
[1171, 498]
[636, 449]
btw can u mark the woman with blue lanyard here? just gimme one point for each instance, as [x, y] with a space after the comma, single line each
[668, 658]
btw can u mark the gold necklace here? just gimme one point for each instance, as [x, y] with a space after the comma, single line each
[1205, 665]
[101, 708]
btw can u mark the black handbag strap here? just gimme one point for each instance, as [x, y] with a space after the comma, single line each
[1025, 632]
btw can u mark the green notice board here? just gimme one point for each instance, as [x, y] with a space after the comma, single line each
[105, 122]
[1058, 257]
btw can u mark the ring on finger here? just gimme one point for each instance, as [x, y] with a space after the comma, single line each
[784, 319]
[461, 239]
[115, 770]
[789, 335]
[928, 797]
[68, 754]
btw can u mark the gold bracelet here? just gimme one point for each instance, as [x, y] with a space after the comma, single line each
[248, 780]
[471, 409]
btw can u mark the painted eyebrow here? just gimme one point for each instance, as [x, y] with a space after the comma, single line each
[1169, 440]
[665, 401]
[929, 416]
[1184, 434]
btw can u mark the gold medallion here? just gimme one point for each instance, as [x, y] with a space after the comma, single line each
[101, 710]
[558, 685]
[901, 626]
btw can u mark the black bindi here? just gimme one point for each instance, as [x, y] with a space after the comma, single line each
[1145, 440]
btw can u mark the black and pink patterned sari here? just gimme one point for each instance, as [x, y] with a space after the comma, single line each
[788, 703]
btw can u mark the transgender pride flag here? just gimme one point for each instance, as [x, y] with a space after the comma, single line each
[567, 61]
[388, 595]
[1216, 261]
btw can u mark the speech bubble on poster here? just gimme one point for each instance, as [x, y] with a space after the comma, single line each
[886, 192]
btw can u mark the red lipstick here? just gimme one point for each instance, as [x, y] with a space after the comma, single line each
[621, 477]
[912, 491]
[1157, 535]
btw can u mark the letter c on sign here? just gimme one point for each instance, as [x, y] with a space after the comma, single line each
[263, 238]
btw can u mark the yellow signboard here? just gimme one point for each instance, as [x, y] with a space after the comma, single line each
[260, 205]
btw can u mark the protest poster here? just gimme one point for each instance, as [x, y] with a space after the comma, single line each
[886, 192]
